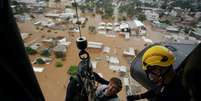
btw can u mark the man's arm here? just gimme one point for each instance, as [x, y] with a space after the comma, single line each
[100, 79]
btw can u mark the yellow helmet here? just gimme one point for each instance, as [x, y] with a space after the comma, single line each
[157, 56]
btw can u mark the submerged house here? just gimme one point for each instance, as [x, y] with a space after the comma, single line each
[60, 51]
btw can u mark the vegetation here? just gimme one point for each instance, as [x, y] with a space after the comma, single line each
[132, 8]
[72, 70]
[184, 4]
[41, 29]
[40, 61]
[142, 17]
[166, 22]
[103, 7]
[37, 28]
[108, 7]
[31, 51]
[90, 5]
[49, 31]
[58, 64]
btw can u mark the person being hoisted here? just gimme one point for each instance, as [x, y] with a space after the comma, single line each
[76, 90]
[109, 92]
[82, 86]
[157, 62]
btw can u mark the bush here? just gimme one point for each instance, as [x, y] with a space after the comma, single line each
[59, 64]
[37, 28]
[31, 51]
[48, 31]
[40, 61]
[42, 36]
[93, 14]
[72, 70]
[166, 22]
[142, 17]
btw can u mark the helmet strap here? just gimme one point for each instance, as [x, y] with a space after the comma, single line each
[167, 75]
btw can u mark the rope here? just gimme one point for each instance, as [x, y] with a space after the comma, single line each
[89, 81]
[78, 23]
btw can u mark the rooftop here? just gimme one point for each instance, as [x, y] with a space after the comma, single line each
[138, 23]
[60, 48]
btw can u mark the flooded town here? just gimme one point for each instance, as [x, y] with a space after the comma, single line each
[116, 32]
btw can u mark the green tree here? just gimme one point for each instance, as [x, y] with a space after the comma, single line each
[142, 17]
[183, 4]
[83, 7]
[89, 5]
[107, 7]
[166, 22]
[58, 64]
[73, 69]
[31, 51]
[48, 30]
[40, 61]
[132, 8]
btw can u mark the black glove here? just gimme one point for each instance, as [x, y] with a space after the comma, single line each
[133, 97]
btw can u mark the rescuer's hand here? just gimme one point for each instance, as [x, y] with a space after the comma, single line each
[133, 97]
